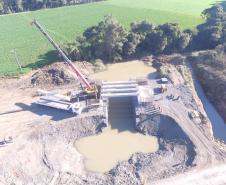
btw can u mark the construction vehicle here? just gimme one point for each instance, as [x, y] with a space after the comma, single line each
[57, 101]
[90, 89]
[163, 88]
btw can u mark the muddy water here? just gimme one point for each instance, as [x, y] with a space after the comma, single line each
[118, 142]
[124, 71]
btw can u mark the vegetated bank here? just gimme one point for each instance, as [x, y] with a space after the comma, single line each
[210, 67]
[16, 6]
[67, 22]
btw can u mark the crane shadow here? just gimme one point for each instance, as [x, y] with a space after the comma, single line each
[55, 114]
[45, 59]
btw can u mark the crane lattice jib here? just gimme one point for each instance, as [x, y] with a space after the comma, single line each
[66, 59]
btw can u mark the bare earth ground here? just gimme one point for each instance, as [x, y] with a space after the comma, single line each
[42, 151]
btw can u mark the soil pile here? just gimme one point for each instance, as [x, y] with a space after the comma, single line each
[54, 74]
[59, 74]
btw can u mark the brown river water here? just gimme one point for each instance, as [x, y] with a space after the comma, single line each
[124, 71]
[119, 140]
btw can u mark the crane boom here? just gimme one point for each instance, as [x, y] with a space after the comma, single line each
[66, 59]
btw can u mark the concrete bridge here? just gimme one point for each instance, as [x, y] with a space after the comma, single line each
[120, 99]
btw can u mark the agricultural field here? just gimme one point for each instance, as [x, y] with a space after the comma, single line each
[65, 23]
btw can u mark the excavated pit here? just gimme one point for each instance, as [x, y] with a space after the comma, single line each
[51, 148]
[118, 141]
[176, 153]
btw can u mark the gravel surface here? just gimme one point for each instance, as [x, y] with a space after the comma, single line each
[43, 150]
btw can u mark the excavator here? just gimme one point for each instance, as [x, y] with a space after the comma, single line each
[58, 101]
[90, 88]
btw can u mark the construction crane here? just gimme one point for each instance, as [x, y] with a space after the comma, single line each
[90, 89]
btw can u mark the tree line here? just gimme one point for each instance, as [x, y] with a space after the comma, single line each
[213, 31]
[14, 6]
[111, 42]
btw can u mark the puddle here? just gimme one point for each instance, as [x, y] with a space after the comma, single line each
[124, 71]
[118, 142]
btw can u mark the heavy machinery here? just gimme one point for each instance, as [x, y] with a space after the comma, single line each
[62, 102]
[90, 89]
[163, 88]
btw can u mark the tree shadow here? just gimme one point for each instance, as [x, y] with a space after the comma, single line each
[152, 76]
[45, 59]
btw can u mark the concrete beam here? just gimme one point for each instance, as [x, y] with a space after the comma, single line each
[120, 90]
[119, 86]
[111, 95]
[119, 82]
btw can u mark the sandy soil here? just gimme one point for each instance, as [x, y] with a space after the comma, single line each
[43, 140]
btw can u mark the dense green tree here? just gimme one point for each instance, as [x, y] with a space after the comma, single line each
[114, 36]
[167, 38]
[172, 32]
[110, 42]
[213, 13]
[212, 32]
[156, 42]
[72, 50]
[184, 40]
[104, 41]
[1, 7]
[11, 6]
[142, 28]
[132, 41]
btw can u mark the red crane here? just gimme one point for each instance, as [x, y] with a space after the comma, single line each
[89, 87]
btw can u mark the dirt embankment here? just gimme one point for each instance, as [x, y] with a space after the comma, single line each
[210, 68]
[59, 74]
[44, 151]
[50, 153]
[180, 75]
[175, 155]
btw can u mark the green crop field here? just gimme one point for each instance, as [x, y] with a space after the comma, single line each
[65, 23]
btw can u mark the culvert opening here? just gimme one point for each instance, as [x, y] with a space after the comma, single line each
[121, 114]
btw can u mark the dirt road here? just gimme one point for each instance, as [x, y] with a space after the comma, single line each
[201, 135]
[207, 151]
